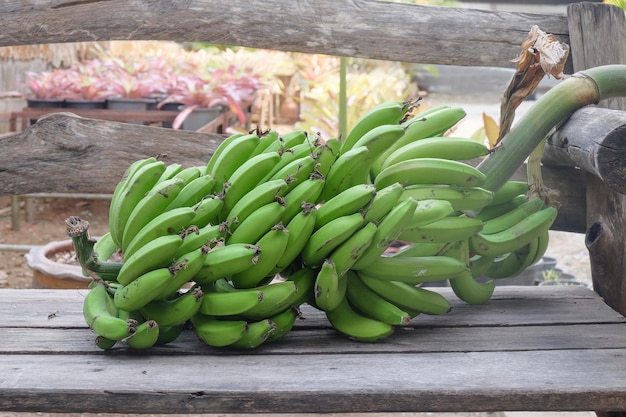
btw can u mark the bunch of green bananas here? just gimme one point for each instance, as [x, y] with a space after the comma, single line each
[274, 221]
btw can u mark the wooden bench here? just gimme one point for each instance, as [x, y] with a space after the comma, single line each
[529, 349]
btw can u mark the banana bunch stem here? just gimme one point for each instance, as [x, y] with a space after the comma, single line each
[78, 231]
[554, 107]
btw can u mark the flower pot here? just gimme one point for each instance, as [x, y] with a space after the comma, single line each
[85, 104]
[50, 274]
[43, 103]
[171, 106]
[201, 117]
[129, 104]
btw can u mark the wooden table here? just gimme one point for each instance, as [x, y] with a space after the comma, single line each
[529, 348]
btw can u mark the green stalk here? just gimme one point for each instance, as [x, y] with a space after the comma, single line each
[78, 231]
[553, 108]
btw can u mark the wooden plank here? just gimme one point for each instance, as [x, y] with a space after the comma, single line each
[105, 114]
[439, 382]
[591, 25]
[87, 155]
[363, 28]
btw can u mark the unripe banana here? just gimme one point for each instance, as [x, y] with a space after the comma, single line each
[155, 254]
[391, 112]
[304, 278]
[464, 285]
[142, 290]
[130, 193]
[193, 192]
[217, 332]
[513, 263]
[208, 210]
[494, 210]
[188, 174]
[167, 223]
[408, 296]
[150, 206]
[227, 260]
[222, 303]
[423, 170]
[256, 224]
[176, 311]
[220, 148]
[357, 326]
[286, 141]
[259, 196]
[516, 236]
[510, 190]
[169, 334]
[339, 177]
[145, 337]
[448, 229]
[326, 155]
[170, 171]
[194, 238]
[184, 269]
[105, 343]
[388, 230]
[444, 147]
[295, 172]
[429, 211]
[323, 241]
[101, 315]
[353, 249]
[284, 322]
[349, 201]
[366, 301]
[276, 297]
[461, 198]
[330, 288]
[300, 229]
[307, 192]
[232, 157]
[383, 202]
[414, 269]
[514, 216]
[422, 249]
[272, 245]
[257, 334]
[105, 247]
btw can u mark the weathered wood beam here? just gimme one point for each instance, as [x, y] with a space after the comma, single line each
[593, 139]
[355, 28]
[66, 153]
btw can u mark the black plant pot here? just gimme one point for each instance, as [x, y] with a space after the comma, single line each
[172, 106]
[39, 103]
[129, 104]
[85, 104]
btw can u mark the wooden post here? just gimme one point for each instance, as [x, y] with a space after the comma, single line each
[597, 32]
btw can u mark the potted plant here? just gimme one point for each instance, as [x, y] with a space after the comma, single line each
[48, 88]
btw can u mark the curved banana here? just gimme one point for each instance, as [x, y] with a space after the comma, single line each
[300, 229]
[259, 196]
[170, 171]
[349, 201]
[234, 154]
[218, 332]
[195, 238]
[284, 322]
[383, 202]
[353, 249]
[100, 314]
[188, 174]
[339, 175]
[169, 334]
[153, 204]
[356, 325]
[105, 247]
[330, 288]
[307, 192]
[226, 260]
[461, 198]
[430, 211]
[324, 240]
[368, 302]
[145, 337]
[105, 343]
[304, 278]
[155, 254]
[272, 245]
[464, 285]
[516, 236]
[257, 334]
[423, 170]
[168, 313]
[224, 303]
[514, 216]
[509, 190]
[267, 141]
[325, 156]
[193, 192]
[494, 210]
[275, 298]
[414, 269]
[220, 149]
[142, 290]
[256, 224]
[513, 263]
[448, 229]
[184, 269]
[207, 211]
[408, 296]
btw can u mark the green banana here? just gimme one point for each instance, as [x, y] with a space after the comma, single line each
[260, 195]
[429, 211]
[509, 190]
[218, 332]
[444, 147]
[272, 245]
[464, 285]
[170, 171]
[339, 175]
[105, 343]
[304, 279]
[448, 229]
[368, 302]
[356, 325]
[220, 149]
[257, 334]
[383, 202]
[329, 286]
[276, 297]
[295, 172]
[390, 112]
[145, 337]
[349, 201]
[193, 192]
[388, 230]
[155, 254]
[494, 210]
[153, 204]
[325, 155]
[246, 177]
[353, 248]
[423, 170]
[184, 269]
[168, 313]
[461, 198]
[300, 229]
[188, 174]
[414, 269]
[266, 140]
[516, 236]
[166, 223]
[100, 314]
[307, 192]
[256, 224]
[208, 210]
[169, 334]
[142, 290]
[134, 189]
[234, 154]
[513, 263]
[431, 123]
[105, 247]
[408, 296]
[284, 322]
[194, 238]
[223, 302]
[422, 249]
[227, 260]
[324, 240]
[514, 216]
